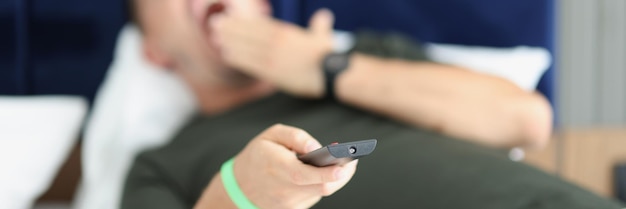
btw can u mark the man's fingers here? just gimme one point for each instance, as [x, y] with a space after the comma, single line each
[330, 188]
[258, 33]
[244, 58]
[302, 174]
[238, 46]
[322, 22]
[293, 138]
[246, 8]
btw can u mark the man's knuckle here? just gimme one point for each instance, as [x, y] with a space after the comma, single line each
[296, 177]
[297, 134]
[276, 127]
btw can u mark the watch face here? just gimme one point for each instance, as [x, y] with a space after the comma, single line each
[336, 62]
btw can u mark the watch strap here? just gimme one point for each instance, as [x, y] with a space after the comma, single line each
[333, 65]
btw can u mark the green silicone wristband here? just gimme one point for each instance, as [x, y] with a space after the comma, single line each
[232, 188]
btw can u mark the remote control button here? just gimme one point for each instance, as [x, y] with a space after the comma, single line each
[352, 150]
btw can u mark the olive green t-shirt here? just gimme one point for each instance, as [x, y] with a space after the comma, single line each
[410, 168]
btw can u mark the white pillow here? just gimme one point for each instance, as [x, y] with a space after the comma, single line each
[521, 65]
[37, 134]
[139, 106]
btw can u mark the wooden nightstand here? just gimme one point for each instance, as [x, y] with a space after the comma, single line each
[586, 157]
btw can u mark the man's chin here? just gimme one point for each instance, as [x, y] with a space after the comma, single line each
[238, 78]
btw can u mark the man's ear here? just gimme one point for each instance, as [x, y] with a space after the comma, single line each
[155, 55]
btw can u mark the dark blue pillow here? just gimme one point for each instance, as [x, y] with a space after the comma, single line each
[68, 44]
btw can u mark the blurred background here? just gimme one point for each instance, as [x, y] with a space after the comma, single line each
[591, 95]
[64, 47]
[592, 62]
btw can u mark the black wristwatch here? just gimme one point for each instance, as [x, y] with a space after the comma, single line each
[334, 64]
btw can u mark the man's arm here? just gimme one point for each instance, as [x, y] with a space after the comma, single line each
[454, 101]
[267, 171]
[215, 195]
[448, 99]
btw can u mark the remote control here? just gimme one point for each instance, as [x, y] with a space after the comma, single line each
[339, 153]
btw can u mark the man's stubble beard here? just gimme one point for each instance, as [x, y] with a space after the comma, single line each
[217, 74]
[237, 78]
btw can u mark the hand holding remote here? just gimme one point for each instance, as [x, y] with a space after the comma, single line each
[339, 154]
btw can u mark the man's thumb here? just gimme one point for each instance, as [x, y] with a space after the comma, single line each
[322, 22]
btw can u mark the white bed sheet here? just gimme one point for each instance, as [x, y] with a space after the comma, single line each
[139, 106]
[36, 136]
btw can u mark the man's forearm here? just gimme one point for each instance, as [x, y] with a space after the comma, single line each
[215, 196]
[451, 100]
